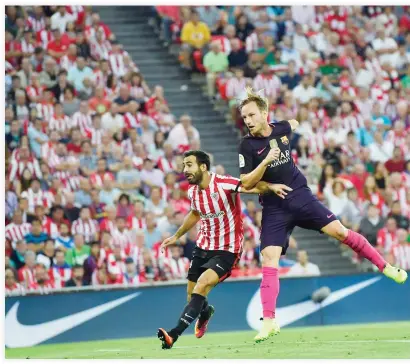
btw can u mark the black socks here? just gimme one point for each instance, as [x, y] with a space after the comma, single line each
[190, 313]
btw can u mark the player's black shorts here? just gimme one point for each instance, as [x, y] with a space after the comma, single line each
[222, 262]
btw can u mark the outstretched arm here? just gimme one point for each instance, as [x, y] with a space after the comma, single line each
[264, 187]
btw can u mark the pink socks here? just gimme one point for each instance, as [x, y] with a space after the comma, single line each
[269, 291]
[362, 247]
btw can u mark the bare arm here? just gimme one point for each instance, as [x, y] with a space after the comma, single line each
[294, 124]
[265, 187]
[250, 180]
[189, 222]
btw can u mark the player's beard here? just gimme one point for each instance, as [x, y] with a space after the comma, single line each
[196, 178]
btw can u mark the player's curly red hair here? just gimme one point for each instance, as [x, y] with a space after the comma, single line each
[251, 96]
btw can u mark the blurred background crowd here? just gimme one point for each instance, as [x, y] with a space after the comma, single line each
[94, 177]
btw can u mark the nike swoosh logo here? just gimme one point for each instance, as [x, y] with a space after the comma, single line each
[261, 151]
[329, 216]
[19, 335]
[292, 313]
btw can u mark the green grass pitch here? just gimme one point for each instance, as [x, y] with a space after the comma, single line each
[381, 341]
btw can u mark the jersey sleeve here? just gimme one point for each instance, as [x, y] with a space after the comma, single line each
[282, 127]
[245, 157]
[191, 198]
[229, 183]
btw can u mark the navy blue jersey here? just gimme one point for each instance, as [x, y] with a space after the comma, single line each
[253, 150]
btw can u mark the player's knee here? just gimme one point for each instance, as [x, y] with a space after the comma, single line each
[337, 231]
[203, 286]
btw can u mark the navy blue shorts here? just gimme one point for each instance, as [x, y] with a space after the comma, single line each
[300, 208]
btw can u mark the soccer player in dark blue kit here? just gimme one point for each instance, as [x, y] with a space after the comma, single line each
[264, 155]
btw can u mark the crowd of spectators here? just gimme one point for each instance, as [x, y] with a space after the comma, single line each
[344, 73]
[94, 176]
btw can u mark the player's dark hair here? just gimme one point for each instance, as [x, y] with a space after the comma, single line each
[260, 101]
[201, 157]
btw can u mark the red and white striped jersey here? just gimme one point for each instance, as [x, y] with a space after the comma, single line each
[137, 162]
[61, 124]
[224, 43]
[90, 32]
[396, 138]
[56, 160]
[122, 239]
[401, 254]
[16, 288]
[49, 227]
[117, 63]
[176, 268]
[43, 198]
[24, 275]
[71, 183]
[352, 122]
[94, 135]
[66, 62]
[317, 141]
[82, 121]
[44, 37]
[269, 83]
[386, 240]
[220, 210]
[45, 111]
[59, 275]
[97, 179]
[108, 225]
[36, 24]
[100, 79]
[166, 165]
[33, 92]
[247, 258]
[18, 167]
[86, 228]
[47, 151]
[252, 43]
[235, 87]
[134, 223]
[100, 51]
[47, 285]
[15, 232]
[132, 121]
[26, 47]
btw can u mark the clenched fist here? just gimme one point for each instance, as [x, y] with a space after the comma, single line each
[272, 155]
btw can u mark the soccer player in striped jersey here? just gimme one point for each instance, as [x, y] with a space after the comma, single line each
[215, 202]
[300, 207]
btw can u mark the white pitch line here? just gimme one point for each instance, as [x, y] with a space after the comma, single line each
[296, 342]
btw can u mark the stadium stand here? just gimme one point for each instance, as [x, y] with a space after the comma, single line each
[99, 111]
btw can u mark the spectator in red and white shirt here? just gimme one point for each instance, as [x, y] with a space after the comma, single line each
[36, 196]
[268, 82]
[41, 279]
[86, 226]
[400, 252]
[59, 121]
[11, 286]
[96, 25]
[69, 60]
[17, 229]
[82, 118]
[387, 237]
[176, 267]
[48, 226]
[58, 47]
[24, 161]
[131, 276]
[26, 273]
[60, 271]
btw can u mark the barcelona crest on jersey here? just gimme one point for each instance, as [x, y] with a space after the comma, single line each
[284, 140]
